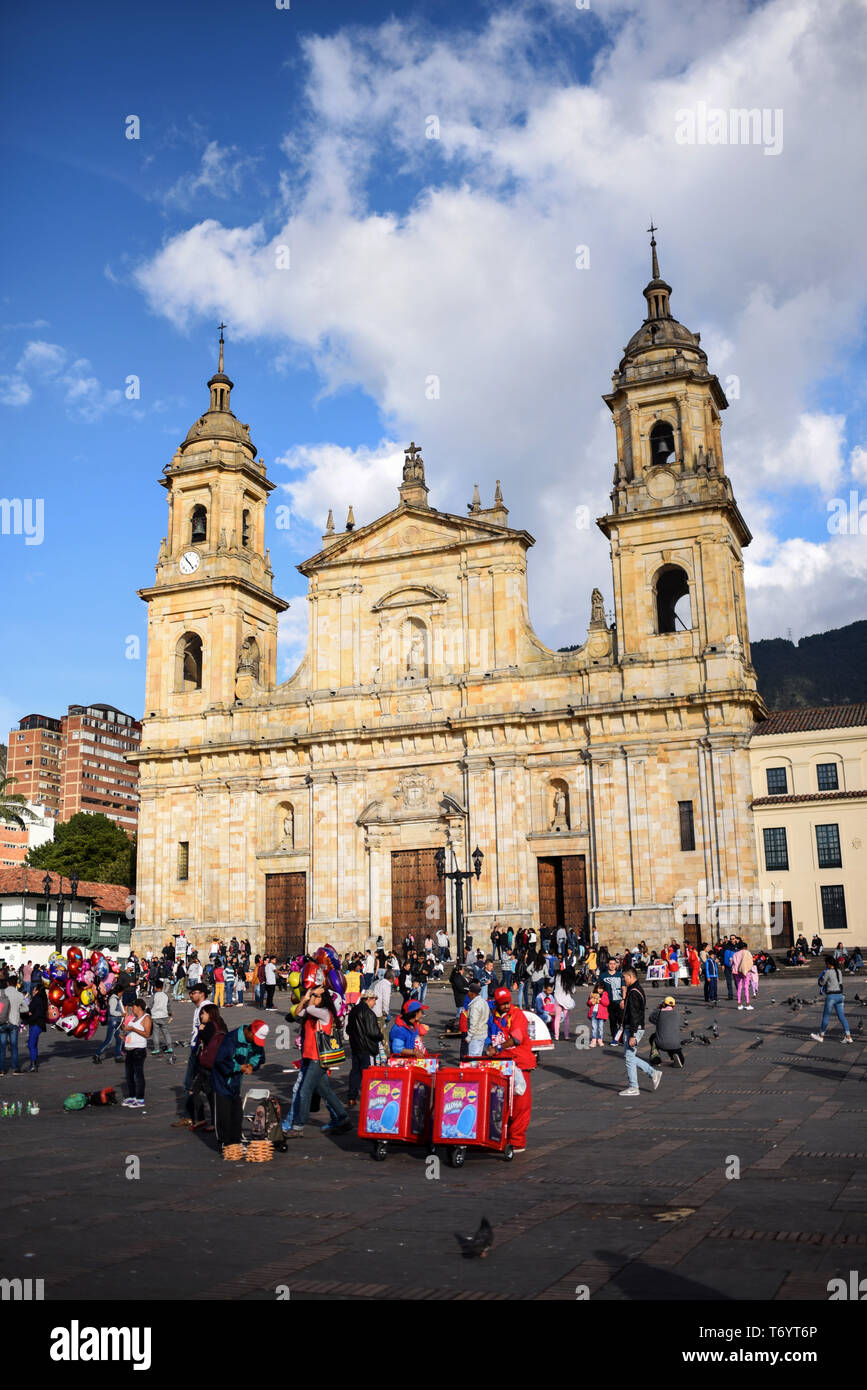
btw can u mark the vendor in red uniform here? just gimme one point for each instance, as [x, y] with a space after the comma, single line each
[510, 1037]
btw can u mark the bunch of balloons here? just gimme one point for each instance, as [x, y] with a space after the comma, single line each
[78, 991]
[322, 968]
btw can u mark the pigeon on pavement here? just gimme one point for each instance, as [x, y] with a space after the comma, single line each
[479, 1243]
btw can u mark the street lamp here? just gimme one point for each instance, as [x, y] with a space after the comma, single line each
[458, 876]
[46, 884]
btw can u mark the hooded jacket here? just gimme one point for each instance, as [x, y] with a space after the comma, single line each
[233, 1053]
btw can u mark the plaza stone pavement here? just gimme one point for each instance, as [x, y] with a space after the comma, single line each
[626, 1196]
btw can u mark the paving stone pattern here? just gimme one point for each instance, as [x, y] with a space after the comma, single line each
[628, 1197]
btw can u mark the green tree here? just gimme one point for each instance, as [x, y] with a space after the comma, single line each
[91, 846]
[13, 806]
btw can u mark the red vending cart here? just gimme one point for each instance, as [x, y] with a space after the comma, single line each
[396, 1103]
[473, 1107]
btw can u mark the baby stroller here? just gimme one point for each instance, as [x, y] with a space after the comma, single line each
[261, 1118]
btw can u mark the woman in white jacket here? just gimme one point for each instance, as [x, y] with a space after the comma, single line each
[564, 1000]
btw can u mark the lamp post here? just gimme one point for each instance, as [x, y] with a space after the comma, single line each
[458, 876]
[73, 884]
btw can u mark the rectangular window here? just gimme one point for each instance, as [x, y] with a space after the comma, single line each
[826, 776]
[687, 825]
[778, 782]
[183, 859]
[776, 848]
[833, 908]
[828, 846]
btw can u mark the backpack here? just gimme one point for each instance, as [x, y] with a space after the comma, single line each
[266, 1121]
[4, 1008]
[746, 964]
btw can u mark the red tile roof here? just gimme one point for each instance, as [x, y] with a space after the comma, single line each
[807, 796]
[109, 897]
[796, 721]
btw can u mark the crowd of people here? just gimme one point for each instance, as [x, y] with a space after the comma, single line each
[528, 972]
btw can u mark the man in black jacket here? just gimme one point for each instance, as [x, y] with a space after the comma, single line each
[365, 1040]
[634, 1006]
[459, 987]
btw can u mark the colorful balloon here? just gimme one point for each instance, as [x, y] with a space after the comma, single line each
[95, 958]
[68, 1023]
[87, 997]
[74, 953]
[53, 1013]
[56, 994]
[69, 1007]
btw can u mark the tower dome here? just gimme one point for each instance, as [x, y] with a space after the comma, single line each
[218, 423]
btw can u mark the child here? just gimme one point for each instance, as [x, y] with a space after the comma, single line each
[597, 1012]
[667, 1036]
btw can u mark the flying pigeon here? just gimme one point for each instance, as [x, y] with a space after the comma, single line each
[477, 1244]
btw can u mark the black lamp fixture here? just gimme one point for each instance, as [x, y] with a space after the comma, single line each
[73, 883]
[46, 885]
[477, 861]
[458, 877]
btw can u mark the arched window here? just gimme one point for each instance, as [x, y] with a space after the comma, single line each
[199, 524]
[673, 613]
[416, 648]
[661, 443]
[245, 527]
[188, 662]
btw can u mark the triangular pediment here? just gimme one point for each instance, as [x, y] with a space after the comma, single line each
[407, 531]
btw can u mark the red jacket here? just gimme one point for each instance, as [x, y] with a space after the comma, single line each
[517, 1025]
[603, 1006]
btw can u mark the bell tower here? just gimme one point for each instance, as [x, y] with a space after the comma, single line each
[212, 612]
[675, 529]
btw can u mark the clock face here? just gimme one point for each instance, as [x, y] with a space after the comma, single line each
[189, 562]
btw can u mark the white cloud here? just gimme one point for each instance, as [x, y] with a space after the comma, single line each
[44, 359]
[44, 364]
[14, 390]
[476, 284]
[221, 173]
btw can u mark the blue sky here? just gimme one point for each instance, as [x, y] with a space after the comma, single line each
[413, 256]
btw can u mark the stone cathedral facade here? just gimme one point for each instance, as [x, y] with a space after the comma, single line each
[607, 787]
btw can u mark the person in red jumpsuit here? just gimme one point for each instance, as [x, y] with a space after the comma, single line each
[510, 1037]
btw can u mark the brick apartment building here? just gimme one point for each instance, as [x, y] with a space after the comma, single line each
[78, 763]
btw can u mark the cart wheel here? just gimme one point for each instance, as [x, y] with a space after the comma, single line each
[380, 1149]
[458, 1155]
[508, 1153]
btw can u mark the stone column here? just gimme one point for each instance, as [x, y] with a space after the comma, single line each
[324, 847]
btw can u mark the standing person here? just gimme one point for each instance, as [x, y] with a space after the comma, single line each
[37, 1017]
[597, 1011]
[180, 986]
[728, 956]
[212, 1030]
[161, 1013]
[240, 1053]
[230, 975]
[693, 964]
[219, 985]
[316, 1013]
[365, 1041]
[742, 965]
[632, 1031]
[509, 964]
[113, 1033]
[831, 984]
[194, 972]
[711, 978]
[240, 982]
[25, 975]
[611, 981]
[478, 1018]
[12, 1004]
[459, 986]
[564, 1001]
[510, 1038]
[137, 1028]
[561, 942]
[270, 982]
[381, 989]
[199, 998]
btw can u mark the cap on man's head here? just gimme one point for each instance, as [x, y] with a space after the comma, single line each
[260, 1030]
[414, 1007]
[474, 986]
[669, 999]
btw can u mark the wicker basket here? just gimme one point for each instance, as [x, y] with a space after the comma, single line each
[260, 1151]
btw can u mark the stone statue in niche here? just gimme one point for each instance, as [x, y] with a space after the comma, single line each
[288, 828]
[561, 810]
[597, 607]
[415, 662]
[248, 661]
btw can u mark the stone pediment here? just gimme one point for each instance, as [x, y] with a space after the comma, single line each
[416, 798]
[408, 596]
[407, 530]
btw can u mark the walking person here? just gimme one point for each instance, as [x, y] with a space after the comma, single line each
[742, 966]
[37, 1017]
[727, 957]
[365, 1041]
[711, 978]
[611, 981]
[831, 984]
[478, 1019]
[316, 1013]
[161, 1013]
[381, 990]
[137, 1028]
[631, 1033]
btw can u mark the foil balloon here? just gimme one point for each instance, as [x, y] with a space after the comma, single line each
[103, 968]
[81, 1012]
[109, 980]
[68, 1023]
[53, 1013]
[71, 989]
[87, 997]
[93, 1024]
[74, 953]
[311, 975]
[87, 977]
[337, 981]
[95, 958]
[56, 994]
[81, 1030]
[69, 1007]
[57, 970]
